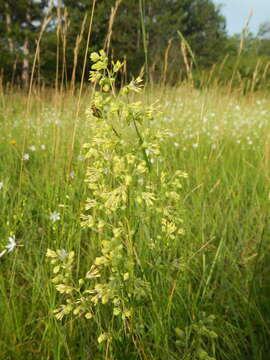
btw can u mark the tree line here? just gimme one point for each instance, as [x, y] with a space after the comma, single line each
[168, 40]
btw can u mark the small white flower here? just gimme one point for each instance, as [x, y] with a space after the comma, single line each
[12, 244]
[26, 157]
[32, 148]
[1, 185]
[55, 216]
[195, 145]
[80, 158]
[43, 147]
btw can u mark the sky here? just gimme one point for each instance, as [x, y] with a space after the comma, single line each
[237, 12]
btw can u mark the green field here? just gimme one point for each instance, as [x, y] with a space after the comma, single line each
[203, 294]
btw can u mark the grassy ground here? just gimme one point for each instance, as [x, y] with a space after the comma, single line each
[221, 286]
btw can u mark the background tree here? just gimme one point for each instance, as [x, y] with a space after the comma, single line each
[19, 27]
[63, 44]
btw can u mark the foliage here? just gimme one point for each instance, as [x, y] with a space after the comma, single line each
[25, 24]
[214, 279]
[199, 21]
[128, 193]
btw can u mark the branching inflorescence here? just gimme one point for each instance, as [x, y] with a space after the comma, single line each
[128, 192]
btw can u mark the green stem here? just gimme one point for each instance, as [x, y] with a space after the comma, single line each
[142, 148]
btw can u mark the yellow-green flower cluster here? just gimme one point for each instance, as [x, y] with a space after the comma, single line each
[127, 192]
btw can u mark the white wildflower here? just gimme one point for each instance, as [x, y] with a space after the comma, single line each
[55, 216]
[26, 157]
[12, 244]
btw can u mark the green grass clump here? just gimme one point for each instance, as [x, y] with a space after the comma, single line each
[201, 295]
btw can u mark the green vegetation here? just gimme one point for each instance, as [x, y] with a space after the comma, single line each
[133, 220]
[147, 291]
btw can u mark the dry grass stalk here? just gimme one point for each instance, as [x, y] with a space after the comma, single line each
[81, 86]
[85, 56]
[221, 67]
[226, 57]
[165, 68]
[211, 74]
[241, 47]
[265, 72]
[144, 38]
[46, 21]
[64, 45]
[152, 70]
[107, 41]
[38, 70]
[254, 76]
[76, 52]
[58, 32]
[186, 61]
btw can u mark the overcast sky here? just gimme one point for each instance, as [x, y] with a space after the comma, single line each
[236, 13]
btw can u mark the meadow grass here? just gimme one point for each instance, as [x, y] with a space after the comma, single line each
[215, 279]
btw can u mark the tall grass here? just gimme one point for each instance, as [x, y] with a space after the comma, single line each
[209, 291]
[220, 267]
